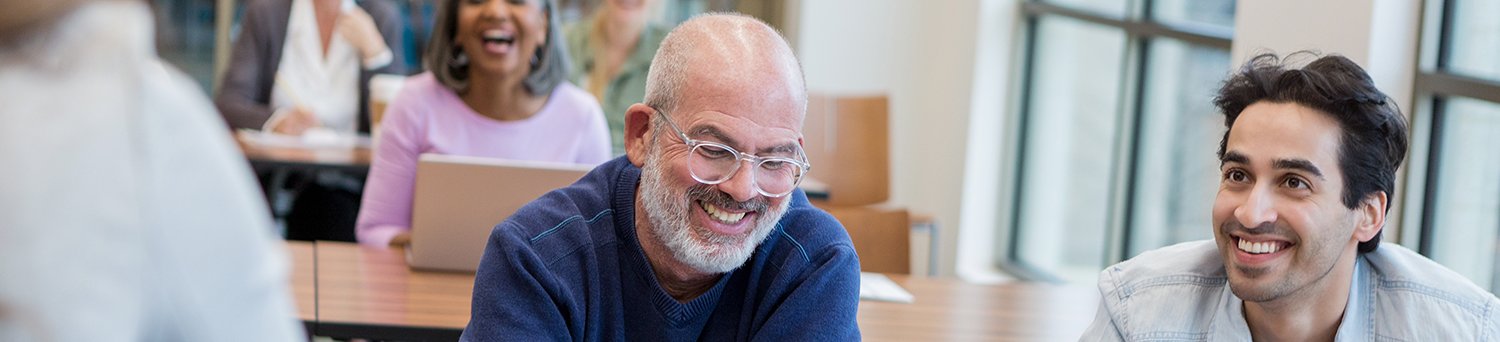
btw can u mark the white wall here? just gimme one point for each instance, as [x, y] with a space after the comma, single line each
[848, 47]
[922, 54]
[1380, 35]
[991, 104]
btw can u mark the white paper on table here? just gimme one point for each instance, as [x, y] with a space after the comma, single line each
[315, 138]
[876, 286]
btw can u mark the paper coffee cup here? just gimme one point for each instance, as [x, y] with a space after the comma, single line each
[383, 89]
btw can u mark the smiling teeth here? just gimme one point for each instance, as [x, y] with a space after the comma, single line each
[721, 215]
[1259, 247]
[497, 35]
[494, 34]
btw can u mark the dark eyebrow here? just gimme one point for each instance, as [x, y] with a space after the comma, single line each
[1295, 164]
[1233, 157]
[1298, 164]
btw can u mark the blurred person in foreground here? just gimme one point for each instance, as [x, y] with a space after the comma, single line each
[1308, 169]
[699, 231]
[126, 212]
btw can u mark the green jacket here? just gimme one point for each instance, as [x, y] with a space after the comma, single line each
[627, 88]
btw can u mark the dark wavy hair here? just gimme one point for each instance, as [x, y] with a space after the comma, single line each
[550, 70]
[1374, 139]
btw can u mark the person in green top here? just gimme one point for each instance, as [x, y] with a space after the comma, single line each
[612, 51]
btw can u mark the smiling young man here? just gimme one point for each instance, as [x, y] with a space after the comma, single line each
[1308, 170]
[699, 232]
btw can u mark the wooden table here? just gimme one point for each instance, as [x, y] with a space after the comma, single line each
[304, 281]
[370, 293]
[949, 309]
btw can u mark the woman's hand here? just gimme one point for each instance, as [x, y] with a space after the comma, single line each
[359, 29]
[296, 121]
[401, 240]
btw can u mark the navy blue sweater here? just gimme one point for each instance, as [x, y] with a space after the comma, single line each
[568, 266]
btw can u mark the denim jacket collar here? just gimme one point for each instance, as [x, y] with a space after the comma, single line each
[1181, 293]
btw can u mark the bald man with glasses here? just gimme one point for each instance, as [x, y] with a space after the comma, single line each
[699, 231]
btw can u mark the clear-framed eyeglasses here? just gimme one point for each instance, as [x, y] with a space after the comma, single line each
[713, 163]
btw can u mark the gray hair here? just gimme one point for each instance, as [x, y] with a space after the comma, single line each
[669, 67]
[667, 71]
[550, 69]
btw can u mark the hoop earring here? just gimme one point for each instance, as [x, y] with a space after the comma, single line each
[459, 60]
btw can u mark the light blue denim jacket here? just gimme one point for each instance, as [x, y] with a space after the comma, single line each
[1180, 293]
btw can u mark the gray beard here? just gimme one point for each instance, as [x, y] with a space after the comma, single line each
[669, 214]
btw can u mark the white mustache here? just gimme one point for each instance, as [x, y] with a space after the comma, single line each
[708, 194]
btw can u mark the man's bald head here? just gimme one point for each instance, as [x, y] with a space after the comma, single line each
[725, 50]
[731, 83]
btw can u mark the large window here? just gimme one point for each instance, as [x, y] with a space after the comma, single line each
[185, 37]
[1117, 131]
[1176, 171]
[1458, 119]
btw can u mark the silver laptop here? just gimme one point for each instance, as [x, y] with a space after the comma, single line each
[459, 200]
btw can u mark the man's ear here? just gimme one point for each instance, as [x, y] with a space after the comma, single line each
[1372, 216]
[637, 128]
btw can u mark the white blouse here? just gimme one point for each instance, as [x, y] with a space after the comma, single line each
[326, 84]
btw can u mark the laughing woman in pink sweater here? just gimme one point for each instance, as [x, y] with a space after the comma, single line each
[496, 88]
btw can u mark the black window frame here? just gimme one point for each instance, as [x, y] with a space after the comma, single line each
[1140, 28]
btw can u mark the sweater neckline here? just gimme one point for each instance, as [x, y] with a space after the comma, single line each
[677, 314]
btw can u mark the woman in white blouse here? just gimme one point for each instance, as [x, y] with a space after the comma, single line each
[300, 64]
[304, 64]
